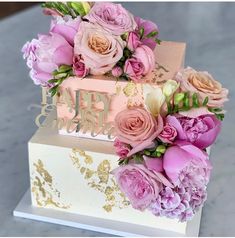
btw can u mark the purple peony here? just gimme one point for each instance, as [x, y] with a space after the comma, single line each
[201, 131]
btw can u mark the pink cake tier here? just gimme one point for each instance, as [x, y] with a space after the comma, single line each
[100, 98]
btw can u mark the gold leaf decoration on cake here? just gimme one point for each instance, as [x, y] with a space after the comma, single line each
[100, 179]
[130, 89]
[43, 189]
[158, 73]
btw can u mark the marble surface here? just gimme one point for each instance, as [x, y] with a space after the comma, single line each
[208, 30]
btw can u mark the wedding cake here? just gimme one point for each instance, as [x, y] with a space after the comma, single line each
[124, 127]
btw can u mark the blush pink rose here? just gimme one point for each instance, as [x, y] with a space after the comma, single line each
[66, 26]
[204, 85]
[168, 134]
[112, 17]
[134, 69]
[99, 49]
[138, 183]
[122, 149]
[201, 131]
[145, 55]
[133, 41]
[79, 67]
[138, 128]
[184, 158]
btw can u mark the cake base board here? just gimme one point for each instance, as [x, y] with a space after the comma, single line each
[25, 210]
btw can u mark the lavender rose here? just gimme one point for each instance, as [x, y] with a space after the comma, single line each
[99, 49]
[134, 69]
[138, 184]
[79, 67]
[133, 41]
[137, 127]
[46, 54]
[203, 84]
[112, 17]
[168, 134]
[117, 71]
[201, 131]
[66, 26]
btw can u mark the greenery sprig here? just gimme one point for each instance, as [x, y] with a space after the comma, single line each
[73, 9]
[184, 101]
[59, 75]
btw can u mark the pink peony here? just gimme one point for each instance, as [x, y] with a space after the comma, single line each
[148, 27]
[79, 67]
[112, 17]
[117, 71]
[168, 134]
[204, 85]
[99, 49]
[137, 127]
[122, 149]
[139, 184]
[134, 69]
[201, 131]
[133, 41]
[45, 55]
[184, 156]
[66, 26]
[154, 164]
[145, 55]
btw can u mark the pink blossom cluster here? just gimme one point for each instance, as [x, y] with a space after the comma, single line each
[108, 39]
[164, 164]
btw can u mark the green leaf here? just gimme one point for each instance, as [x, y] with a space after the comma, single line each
[195, 100]
[78, 8]
[152, 34]
[158, 41]
[205, 101]
[64, 68]
[52, 81]
[186, 101]
[141, 32]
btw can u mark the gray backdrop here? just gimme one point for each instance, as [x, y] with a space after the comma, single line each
[208, 30]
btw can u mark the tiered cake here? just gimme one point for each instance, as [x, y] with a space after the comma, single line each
[126, 128]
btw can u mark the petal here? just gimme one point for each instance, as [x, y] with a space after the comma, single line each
[63, 55]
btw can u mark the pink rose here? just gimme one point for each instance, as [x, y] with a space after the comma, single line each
[204, 85]
[184, 158]
[66, 26]
[134, 69]
[122, 149]
[201, 131]
[117, 71]
[45, 55]
[145, 55]
[148, 27]
[99, 49]
[168, 134]
[112, 17]
[138, 183]
[79, 67]
[137, 127]
[133, 41]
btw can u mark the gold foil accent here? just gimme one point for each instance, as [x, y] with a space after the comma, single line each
[43, 189]
[100, 179]
[130, 90]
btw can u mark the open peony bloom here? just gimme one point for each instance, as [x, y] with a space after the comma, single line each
[138, 128]
[99, 49]
[140, 185]
[45, 55]
[184, 158]
[201, 131]
[113, 17]
[66, 26]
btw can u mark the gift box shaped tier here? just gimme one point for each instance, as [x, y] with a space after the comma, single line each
[73, 175]
[93, 102]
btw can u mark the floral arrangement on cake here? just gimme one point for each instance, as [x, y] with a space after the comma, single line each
[91, 39]
[163, 147]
